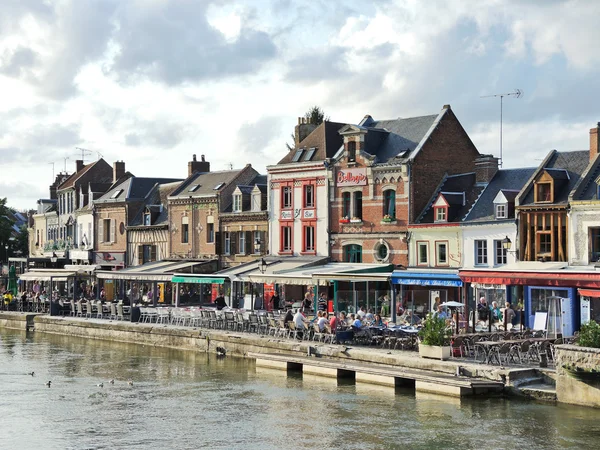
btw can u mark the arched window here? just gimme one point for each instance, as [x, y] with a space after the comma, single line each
[389, 203]
[353, 253]
[352, 151]
[357, 213]
[346, 204]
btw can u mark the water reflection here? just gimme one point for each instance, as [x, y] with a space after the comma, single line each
[183, 399]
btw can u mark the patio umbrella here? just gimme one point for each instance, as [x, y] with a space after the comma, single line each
[12, 280]
[452, 304]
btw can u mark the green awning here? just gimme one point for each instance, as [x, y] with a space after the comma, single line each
[197, 280]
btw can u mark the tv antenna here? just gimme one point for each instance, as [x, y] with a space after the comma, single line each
[65, 158]
[52, 170]
[84, 152]
[518, 93]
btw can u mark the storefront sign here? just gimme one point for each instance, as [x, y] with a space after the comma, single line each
[352, 177]
[109, 258]
[287, 215]
[488, 286]
[308, 214]
[429, 282]
[197, 280]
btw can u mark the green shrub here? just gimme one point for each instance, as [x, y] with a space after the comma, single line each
[435, 331]
[589, 335]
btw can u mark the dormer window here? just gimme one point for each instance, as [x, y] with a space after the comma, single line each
[351, 151]
[441, 214]
[501, 212]
[543, 192]
[297, 155]
[147, 218]
[237, 203]
[256, 202]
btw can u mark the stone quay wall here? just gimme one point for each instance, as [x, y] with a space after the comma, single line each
[568, 388]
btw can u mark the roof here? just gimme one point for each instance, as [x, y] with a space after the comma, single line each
[325, 139]
[587, 189]
[452, 188]
[202, 184]
[574, 163]
[509, 181]
[100, 167]
[156, 203]
[134, 188]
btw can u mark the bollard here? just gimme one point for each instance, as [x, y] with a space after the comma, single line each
[543, 360]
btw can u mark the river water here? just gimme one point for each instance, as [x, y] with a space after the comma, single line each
[187, 400]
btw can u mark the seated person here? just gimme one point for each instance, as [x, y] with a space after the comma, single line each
[441, 313]
[289, 317]
[409, 318]
[357, 323]
[377, 321]
[299, 321]
[369, 316]
[220, 302]
[322, 320]
[333, 323]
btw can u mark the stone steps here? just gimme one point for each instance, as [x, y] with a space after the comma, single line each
[540, 391]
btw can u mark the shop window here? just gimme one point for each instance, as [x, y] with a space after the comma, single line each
[423, 253]
[543, 192]
[309, 196]
[286, 200]
[352, 151]
[481, 257]
[441, 251]
[541, 298]
[499, 253]
[286, 239]
[594, 244]
[389, 203]
[353, 253]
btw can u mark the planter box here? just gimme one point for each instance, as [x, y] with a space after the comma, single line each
[434, 352]
[356, 221]
[344, 221]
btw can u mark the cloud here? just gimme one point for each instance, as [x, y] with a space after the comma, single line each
[256, 140]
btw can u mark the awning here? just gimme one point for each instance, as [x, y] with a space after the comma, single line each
[46, 275]
[426, 278]
[154, 271]
[589, 293]
[554, 278]
[195, 279]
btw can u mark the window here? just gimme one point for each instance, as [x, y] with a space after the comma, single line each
[543, 192]
[357, 205]
[286, 239]
[501, 211]
[256, 202]
[352, 151]
[353, 253]
[218, 186]
[286, 200]
[309, 238]
[389, 203]
[106, 231]
[441, 214]
[381, 252]
[423, 253]
[210, 232]
[481, 252]
[309, 153]
[185, 230]
[309, 196]
[194, 187]
[116, 193]
[297, 155]
[257, 240]
[227, 243]
[499, 253]
[441, 252]
[242, 243]
[237, 203]
[346, 204]
[146, 253]
[147, 219]
[545, 243]
[594, 244]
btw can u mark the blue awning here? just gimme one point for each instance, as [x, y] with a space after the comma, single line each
[426, 279]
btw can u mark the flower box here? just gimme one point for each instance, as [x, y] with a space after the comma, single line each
[388, 219]
[434, 351]
[355, 220]
[344, 220]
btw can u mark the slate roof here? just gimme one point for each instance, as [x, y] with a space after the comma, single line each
[155, 199]
[510, 181]
[575, 163]
[452, 187]
[325, 139]
[587, 189]
[205, 182]
[104, 170]
[134, 188]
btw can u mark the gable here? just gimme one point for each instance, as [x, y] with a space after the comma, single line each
[500, 198]
[440, 202]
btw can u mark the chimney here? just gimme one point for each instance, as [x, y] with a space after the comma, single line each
[78, 165]
[594, 144]
[198, 166]
[486, 167]
[302, 130]
[118, 170]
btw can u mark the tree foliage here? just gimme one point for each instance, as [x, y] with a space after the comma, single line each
[5, 223]
[314, 115]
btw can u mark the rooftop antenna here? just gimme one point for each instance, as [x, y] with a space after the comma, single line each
[84, 152]
[518, 93]
[65, 158]
[100, 155]
[52, 170]
[230, 166]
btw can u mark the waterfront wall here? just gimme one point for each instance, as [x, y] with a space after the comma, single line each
[569, 389]
[17, 321]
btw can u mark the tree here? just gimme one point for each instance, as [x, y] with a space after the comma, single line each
[5, 223]
[21, 244]
[314, 115]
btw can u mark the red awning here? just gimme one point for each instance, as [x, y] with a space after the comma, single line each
[559, 279]
[589, 292]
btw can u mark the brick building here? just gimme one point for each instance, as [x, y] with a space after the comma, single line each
[195, 209]
[384, 176]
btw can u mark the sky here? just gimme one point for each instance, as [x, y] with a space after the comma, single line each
[152, 82]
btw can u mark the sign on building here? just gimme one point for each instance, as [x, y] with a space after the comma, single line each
[351, 177]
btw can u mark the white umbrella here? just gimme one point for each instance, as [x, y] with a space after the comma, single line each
[452, 304]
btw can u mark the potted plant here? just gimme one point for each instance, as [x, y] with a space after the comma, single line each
[435, 338]
[356, 220]
[388, 219]
[345, 219]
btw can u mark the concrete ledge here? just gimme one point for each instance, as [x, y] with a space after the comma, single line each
[319, 370]
[442, 389]
[17, 320]
[270, 364]
[382, 380]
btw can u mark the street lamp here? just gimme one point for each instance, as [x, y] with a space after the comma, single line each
[507, 244]
[263, 265]
[6, 252]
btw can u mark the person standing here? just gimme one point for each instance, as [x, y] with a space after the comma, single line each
[510, 314]
[275, 300]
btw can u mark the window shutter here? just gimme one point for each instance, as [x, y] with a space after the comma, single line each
[100, 230]
[140, 255]
[113, 229]
[249, 243]
[218, 243]
[153, 253]
[233, 244]
[263, 242]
